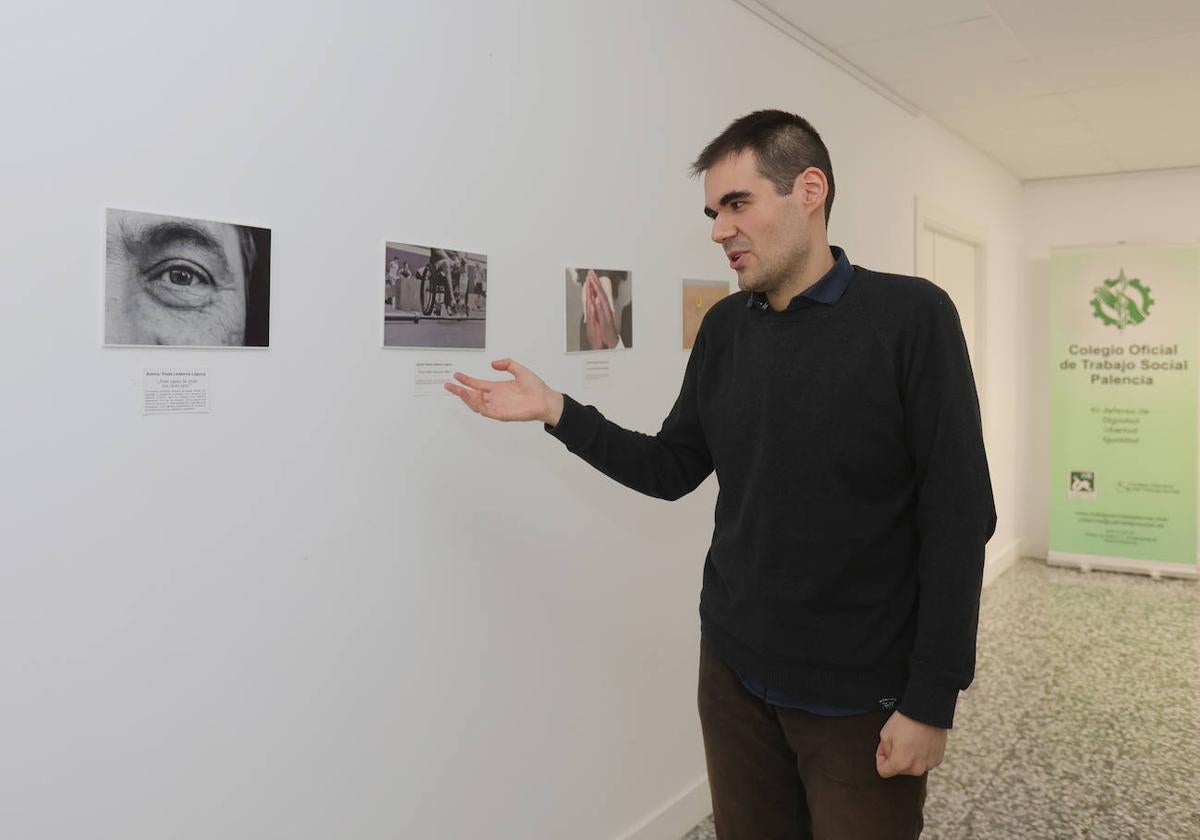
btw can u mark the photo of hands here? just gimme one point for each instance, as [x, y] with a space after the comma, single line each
[599, 309]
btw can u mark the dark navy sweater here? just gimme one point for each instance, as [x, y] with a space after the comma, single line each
[854, 500]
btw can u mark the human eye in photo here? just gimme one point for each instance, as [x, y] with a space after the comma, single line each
[176, 281]
[180, 283]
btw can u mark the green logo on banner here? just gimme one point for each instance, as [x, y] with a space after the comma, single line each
[1121, 302]
[1083, 485]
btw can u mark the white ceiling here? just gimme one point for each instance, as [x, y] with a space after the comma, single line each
[1049, 88]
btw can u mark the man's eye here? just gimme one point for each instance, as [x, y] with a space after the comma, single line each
[736, 205]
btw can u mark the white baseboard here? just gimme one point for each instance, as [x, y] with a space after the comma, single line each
[999, 562]
[675, 817]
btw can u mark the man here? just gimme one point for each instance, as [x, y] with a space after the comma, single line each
[391, 283]
[446, 268]
[841, 590]
[179, 281]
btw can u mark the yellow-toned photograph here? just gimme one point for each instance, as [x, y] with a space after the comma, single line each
[699, 296]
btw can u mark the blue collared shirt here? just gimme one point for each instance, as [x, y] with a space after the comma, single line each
[827, 291]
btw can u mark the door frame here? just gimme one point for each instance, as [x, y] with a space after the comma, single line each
[935, 218]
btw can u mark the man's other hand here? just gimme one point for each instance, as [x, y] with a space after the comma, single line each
[908, 747]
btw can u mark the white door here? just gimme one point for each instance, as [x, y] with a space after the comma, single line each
[951, 263]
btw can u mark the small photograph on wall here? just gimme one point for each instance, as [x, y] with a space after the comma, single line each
[174, 281]
[599, 309]
[434, 297]
[699, 296]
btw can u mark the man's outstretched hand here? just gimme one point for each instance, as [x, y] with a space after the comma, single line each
[524, 397]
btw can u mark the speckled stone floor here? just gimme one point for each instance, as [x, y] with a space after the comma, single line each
[1084, 718]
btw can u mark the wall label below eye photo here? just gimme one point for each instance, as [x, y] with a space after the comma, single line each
[175, 391]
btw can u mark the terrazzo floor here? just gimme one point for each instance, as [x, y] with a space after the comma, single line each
[1084, 717]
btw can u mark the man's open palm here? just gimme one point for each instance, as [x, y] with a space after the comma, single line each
[525, 397]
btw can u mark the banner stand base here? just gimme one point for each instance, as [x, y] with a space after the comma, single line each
[1090, 562]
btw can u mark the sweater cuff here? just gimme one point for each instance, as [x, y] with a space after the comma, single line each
[930, 704]
[575, 426]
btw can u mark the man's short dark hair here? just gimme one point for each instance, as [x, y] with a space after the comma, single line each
[784, 145]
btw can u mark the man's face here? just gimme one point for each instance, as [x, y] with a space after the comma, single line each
[174, 281]
[764, 234]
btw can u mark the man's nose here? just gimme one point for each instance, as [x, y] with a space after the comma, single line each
[722, 230]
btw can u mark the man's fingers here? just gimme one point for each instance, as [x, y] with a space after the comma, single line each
[516, 369]
[473, 399]
[458, 391]
[893, 765]
[477, 384]
[883, 762]
[883, 765]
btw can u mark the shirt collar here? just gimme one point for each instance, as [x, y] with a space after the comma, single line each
[828, 290]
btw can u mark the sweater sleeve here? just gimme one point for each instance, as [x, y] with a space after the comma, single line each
[955, 511]
[667, 465]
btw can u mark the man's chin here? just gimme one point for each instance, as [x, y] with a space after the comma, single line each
[747, 283]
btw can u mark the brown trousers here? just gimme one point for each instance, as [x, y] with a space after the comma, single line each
[783, 774]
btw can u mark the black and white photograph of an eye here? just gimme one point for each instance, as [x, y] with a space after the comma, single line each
[186, 282]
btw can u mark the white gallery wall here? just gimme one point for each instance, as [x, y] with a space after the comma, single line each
[330, 608]
[1149, 208]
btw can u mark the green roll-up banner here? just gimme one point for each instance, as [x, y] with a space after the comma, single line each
[1123, 404]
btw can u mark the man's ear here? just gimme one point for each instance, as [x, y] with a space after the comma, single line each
[812, 188]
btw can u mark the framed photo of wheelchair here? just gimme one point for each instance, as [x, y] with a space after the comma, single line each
[434, 297]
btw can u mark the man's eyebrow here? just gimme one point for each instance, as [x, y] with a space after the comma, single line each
[733, 195]
[179, 233]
